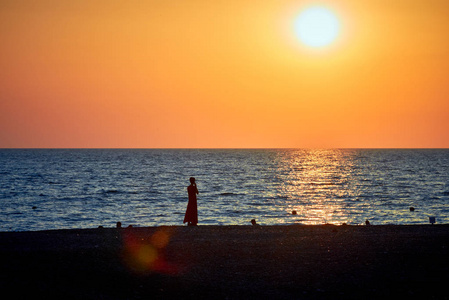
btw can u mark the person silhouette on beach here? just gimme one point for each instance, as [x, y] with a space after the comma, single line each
[191, 217]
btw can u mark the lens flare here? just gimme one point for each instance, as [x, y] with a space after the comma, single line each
[146, 254]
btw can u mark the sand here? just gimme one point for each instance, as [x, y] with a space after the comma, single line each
[228, 262]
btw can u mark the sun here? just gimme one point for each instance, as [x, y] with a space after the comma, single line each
[317, 26]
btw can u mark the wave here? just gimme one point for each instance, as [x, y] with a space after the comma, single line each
[115, 191]
[108, 185]
[229, 194]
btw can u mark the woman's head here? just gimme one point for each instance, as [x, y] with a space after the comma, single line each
[192, 180]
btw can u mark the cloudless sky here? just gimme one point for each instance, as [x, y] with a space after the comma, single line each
[221, 74]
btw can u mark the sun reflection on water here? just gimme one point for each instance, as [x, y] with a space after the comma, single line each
[316, 183]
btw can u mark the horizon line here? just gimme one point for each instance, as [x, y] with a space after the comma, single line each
[221, 148]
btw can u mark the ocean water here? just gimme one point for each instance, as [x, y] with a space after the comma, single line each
[85, 188]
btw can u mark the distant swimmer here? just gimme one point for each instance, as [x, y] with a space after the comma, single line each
[191, 216]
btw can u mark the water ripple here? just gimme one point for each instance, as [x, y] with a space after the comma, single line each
[88, 188]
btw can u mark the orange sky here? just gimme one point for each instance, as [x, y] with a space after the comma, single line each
[221, 74]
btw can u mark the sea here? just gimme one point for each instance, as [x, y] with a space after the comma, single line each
[43, 189]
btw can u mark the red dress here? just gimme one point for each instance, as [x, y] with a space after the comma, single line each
[192, 210]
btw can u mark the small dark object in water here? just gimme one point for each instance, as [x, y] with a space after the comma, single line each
[432, 220]
[294, 212]
[344, 224]
[119, 224]
[412, 208]
[253, 221]
[367, 222]
[34, 207]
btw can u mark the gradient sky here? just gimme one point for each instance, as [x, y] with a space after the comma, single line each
[220, 74]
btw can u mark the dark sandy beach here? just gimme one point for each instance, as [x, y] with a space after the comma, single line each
[233, 262]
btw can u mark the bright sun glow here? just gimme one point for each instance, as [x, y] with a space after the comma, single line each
[317, 27]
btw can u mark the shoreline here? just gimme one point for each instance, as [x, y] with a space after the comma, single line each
[232, 261]
[132, 226]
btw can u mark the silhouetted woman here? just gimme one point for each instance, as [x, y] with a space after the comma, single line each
[191, 216]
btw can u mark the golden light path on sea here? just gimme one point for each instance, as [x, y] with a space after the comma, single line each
[317, 185]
